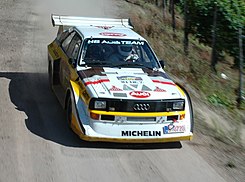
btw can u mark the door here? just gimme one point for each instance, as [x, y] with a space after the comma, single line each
[71, 47]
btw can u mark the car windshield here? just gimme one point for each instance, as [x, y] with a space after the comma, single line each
[118, 53]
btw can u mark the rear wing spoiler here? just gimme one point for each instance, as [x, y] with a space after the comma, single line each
[58, 20]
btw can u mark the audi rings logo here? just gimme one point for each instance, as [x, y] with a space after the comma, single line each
[142, 107]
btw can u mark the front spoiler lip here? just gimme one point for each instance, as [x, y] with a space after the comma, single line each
[85, 137]
[134, 140]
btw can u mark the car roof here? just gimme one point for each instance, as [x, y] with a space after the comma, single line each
[109, 32]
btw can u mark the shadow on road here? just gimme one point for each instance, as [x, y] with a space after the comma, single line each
[30, 93]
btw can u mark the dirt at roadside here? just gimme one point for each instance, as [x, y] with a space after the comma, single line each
[228, 160]
[217, 137]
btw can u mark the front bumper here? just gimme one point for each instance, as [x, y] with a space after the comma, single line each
[136, 140]
[132, 133]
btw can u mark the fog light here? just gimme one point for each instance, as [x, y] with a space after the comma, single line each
[182, 117]
[94, 116]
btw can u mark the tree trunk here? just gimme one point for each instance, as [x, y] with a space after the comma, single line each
[170, 6]
[186, 28]
[240, 96]
[173, 15]
[164, 7]
[214, 49]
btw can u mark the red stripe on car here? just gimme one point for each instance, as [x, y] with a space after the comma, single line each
[166, 83]
[96, 82]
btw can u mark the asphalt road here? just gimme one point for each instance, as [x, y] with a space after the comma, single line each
[35, 142]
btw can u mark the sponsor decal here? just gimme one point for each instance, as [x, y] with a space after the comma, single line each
[173, 129]
[129, 78]
[140, 94]
[104, 27]
[112, 34]
[116, 42]
[114, 88]
[141, 133]
[159, 90]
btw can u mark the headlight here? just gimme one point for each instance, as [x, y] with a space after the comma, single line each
[178, 105]
[99, 104]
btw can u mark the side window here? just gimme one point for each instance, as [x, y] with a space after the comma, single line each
[147, 56]
[62, 36]
[74, 46]
[76, 49]
[65, 44]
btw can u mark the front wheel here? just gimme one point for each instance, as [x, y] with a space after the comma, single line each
[50, 75]
[69, 111]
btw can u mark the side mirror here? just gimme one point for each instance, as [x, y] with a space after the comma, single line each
[72, 62]
[162, 63]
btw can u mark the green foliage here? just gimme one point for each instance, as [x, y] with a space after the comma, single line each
[194, 68]
[219, 100]
[230, 17]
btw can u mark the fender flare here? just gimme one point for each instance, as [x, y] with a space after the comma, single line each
[70, 93]
[190, 105]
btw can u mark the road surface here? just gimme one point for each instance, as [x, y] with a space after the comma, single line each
[35, 142]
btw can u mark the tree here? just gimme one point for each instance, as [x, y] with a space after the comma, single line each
[172, 10]
[186, 27]
[214, 32]
[201, 25]
[240, 87]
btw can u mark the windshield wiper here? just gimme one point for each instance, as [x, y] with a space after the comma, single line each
[91, 62]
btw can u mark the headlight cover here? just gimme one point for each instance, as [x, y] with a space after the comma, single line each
[178, 105]
[100, 104]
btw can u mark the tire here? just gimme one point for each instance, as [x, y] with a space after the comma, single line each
[69, 111]
[50, 75]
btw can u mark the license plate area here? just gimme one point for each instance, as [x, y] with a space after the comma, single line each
[171, 128]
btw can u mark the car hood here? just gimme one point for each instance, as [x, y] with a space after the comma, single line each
[129, 83]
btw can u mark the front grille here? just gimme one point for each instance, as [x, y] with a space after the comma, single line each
[124, 105]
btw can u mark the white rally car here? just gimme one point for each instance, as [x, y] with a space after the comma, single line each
[112, 86]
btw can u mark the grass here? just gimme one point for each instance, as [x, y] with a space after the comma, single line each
[193, 69]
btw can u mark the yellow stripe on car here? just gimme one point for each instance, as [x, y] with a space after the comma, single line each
[80, 91]
[150, 114]
[181, 91]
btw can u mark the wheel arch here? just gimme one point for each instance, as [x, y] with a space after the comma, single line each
[70, 94]
[67, 95]
[190, 105]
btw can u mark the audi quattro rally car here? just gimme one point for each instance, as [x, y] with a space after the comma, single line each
[112, 85]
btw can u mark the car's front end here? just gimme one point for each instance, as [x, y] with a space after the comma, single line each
[130, 105]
